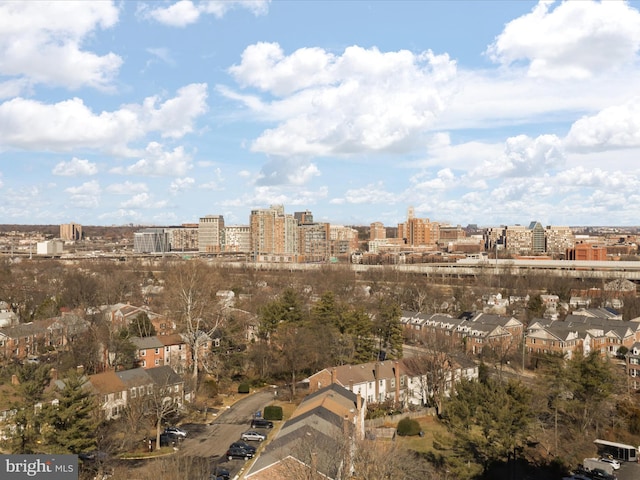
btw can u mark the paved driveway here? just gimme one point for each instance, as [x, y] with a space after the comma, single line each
[628, 471]
[212, 440]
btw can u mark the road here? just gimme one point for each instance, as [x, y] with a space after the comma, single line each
[212, 440]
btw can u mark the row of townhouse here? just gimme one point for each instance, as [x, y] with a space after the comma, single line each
[156, 351]
[318, 440]
[19, 342]
[409, 381]
[469, 333]
[117, 391]
[632, 362]
[582, 332]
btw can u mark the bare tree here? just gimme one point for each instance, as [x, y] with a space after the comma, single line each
[191, 298]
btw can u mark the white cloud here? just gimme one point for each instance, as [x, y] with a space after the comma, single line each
[86, 195]
[186, 12]
[524, 156]
[41, 42]
[181, 184]
[289, 171]
[276, 195]
[614, 127]
[362, 101]
[572, 40]
[162, 54]
[158, 162]
[70, 124]
[370, 194]
[143, 200]
[75, 167]
[126, 188]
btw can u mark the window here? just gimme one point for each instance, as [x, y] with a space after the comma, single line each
[133, 393]
[393, 383]
[144, 363]
[157, 351]
[157, 362]
[143, 353]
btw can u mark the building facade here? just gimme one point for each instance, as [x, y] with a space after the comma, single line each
[211, 234]
[70, 232]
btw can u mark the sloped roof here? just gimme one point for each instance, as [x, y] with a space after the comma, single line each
[145, 343]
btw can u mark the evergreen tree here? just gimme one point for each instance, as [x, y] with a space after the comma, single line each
[70, 425]
[141, 326]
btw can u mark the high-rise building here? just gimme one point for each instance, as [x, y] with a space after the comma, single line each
[559, 240]
[344, 240]
[70, 232]
[538, 239]
[418, 231]
[377, 231]
[517, 239]
[314, 244]
[274, 234]
[151, 240]
[211, 234]
[237, 238]
[303, 217]
[184, 238]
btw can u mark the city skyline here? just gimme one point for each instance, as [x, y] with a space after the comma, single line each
[472, 112]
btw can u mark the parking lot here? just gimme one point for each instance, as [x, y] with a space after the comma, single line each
[629, 471]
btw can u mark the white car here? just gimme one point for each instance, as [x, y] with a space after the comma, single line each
[614, 463]
[177, 431]
[252, 435]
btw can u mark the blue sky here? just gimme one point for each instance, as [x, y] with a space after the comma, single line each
[157, 113]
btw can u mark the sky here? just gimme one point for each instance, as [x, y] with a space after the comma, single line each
[471, 112]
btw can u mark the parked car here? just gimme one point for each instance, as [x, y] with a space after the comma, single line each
[244, 445]
[220, 473]
[168, 439]
[612, 461]
[176, 431]
[598, 473]
[237, 452]
[261, 423]
[253, 436]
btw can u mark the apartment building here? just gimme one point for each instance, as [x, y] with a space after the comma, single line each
[211, 234]
[418, 231]
[274, 235]
[184, 238]
[70, 232]
[237, 238]
[314, 243]
[559, 239]
[344, 240]
[377, 231]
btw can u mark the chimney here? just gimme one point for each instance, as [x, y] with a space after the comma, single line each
[334, 375]
[314, 464]
[53, 373]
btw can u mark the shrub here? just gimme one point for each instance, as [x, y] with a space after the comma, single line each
[407, 426]
[244, 388]
[273, 412]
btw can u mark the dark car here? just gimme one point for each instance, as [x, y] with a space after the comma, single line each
[261, 423]
[244, 445]
[237, 452]
[220, 473]
[168, 439]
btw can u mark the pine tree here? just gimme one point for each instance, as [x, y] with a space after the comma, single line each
[71, 423]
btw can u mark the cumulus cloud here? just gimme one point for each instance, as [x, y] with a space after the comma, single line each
[364, 100]
[126, 188]
[158, 162]
[143, 200]
[373, 193]
[524, 156]
[75, 167]
[572, 40]
[277, 195]
[612, 128]
[70, 124]
[86, 195]
[41, 42]
[181, 184]
[290, 171]
[187, 12]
